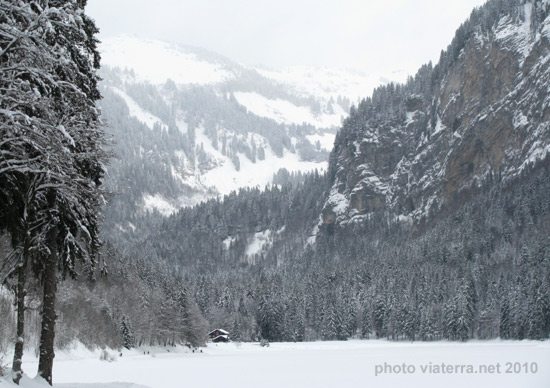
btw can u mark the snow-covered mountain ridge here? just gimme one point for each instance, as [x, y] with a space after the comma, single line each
[432, 221]
[481, 114]
[189, 124]
[157, 61]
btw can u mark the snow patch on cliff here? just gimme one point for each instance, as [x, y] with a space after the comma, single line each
[259, 243]
[285, 112]
[159, 203]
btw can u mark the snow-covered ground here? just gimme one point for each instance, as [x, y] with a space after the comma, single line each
[331, 82]
[156, 61]
[285, 112]
[353, 363]
[226, 178]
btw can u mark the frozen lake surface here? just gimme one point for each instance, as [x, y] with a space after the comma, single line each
[317, 364]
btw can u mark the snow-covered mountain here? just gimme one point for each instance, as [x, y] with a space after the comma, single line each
[481, 115]
[156, 61]
[433, 218]
[189, 124]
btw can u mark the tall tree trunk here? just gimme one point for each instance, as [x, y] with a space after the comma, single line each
[47, 334]
[21, 293]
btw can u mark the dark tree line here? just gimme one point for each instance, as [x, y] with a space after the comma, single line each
[482, 271]
[131, 302]
[476, 270]
[199, 238]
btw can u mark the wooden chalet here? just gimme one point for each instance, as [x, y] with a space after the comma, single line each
[219, 335]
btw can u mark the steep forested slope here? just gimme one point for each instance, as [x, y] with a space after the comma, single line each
[435, 222]
[177, 145]
[413, 150]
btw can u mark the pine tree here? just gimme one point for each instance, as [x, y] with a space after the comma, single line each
[464, 303]
[51, 143]
[427, 329]
[539, 309]
[366, 323]
[450, 317]
[128, 339]
[193, 325]
[379, 313]
[332, 323]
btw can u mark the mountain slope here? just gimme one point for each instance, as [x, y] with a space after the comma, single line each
[189, 125]
[433, 218]
[413, 150]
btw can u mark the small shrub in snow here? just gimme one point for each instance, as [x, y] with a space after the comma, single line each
[264, 343]
[105, 356]
[3, 368]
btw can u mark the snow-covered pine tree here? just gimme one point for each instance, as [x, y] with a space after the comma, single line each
[366, 321]
[379, 313]
[25, 129]
[128, 339]
[270, 313]
[52, 145]
[24, 132]
[193, 325]
[539, 310]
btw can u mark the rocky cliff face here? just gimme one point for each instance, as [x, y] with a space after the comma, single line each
[483, 112]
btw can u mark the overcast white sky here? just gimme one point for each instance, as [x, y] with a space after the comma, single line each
[367, 35]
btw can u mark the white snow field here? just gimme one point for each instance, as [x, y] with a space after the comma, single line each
[355, 363]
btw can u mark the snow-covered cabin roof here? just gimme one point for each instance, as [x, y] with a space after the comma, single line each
[220, 331]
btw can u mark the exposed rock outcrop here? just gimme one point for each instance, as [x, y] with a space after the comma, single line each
[482, 112]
